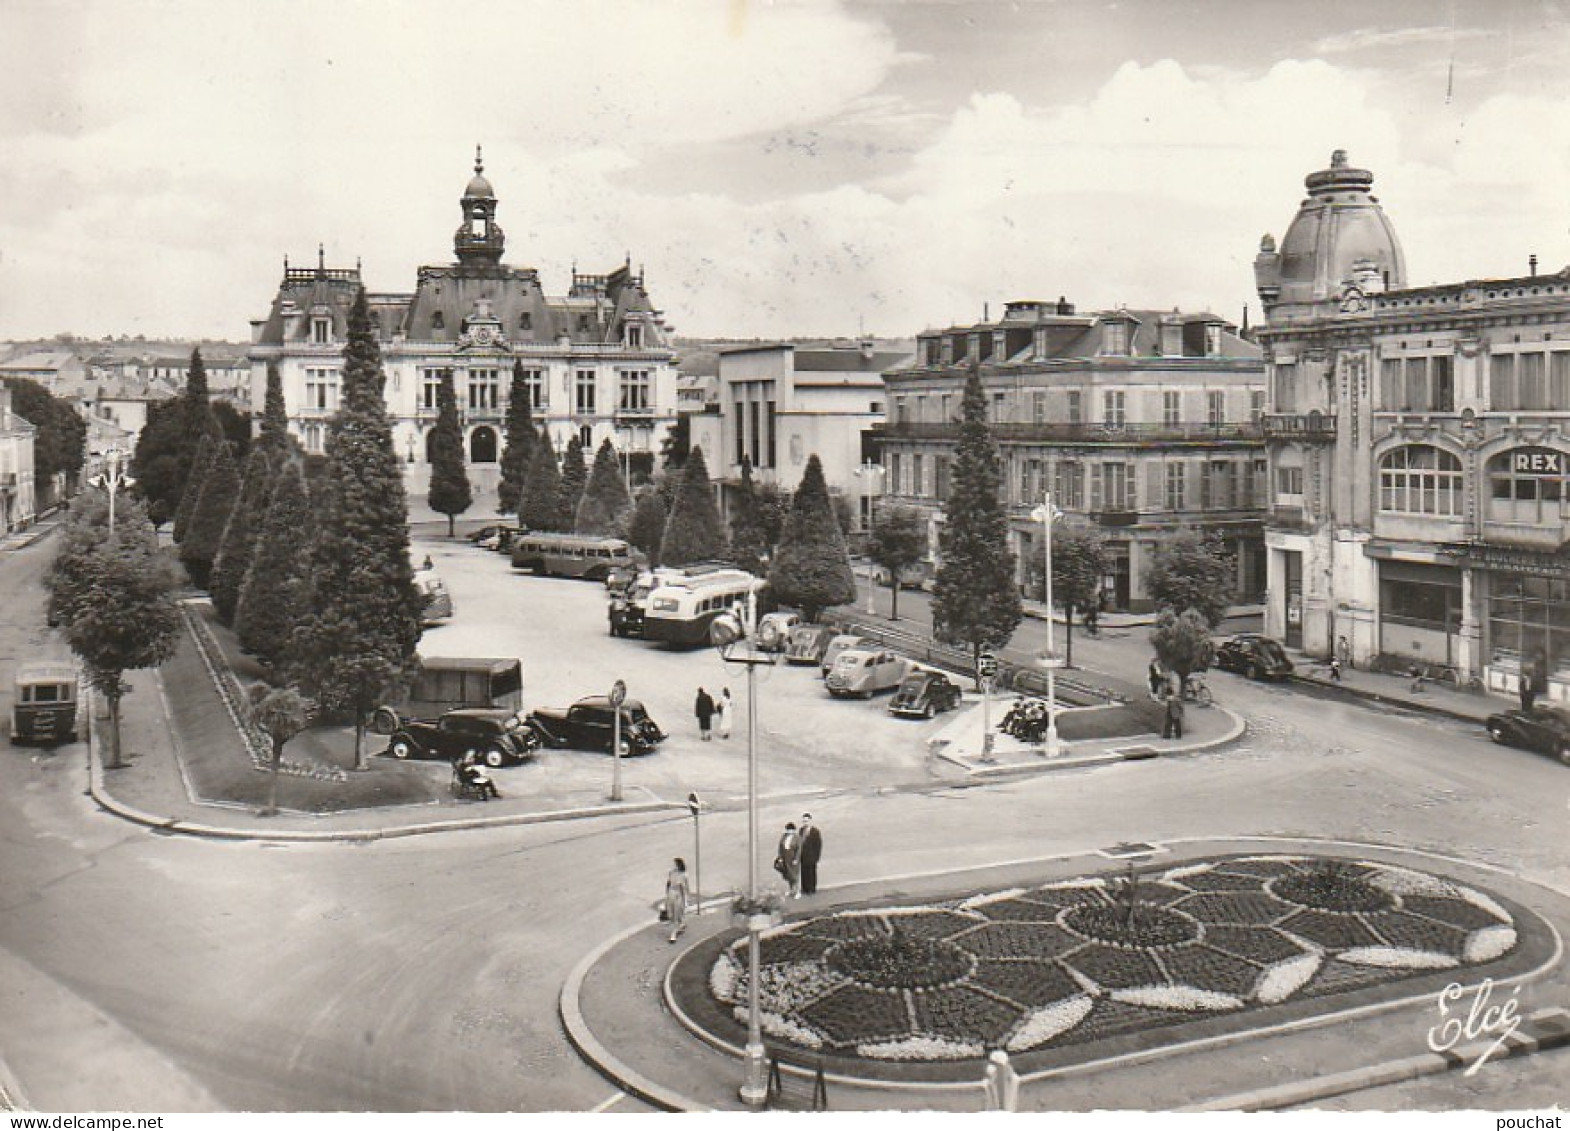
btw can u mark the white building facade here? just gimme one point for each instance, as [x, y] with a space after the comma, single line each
[18, 505]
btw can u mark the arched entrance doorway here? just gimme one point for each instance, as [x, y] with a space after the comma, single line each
[482, 445]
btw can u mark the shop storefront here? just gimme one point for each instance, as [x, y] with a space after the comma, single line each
[1420, 612]
[1526, 615]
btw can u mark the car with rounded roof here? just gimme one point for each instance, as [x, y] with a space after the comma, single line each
[496, 735]
[589, 724]
[923, 693]
[1544, 729]
[865, 672]
[1255, 656]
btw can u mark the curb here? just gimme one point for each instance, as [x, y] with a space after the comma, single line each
[1546, 1029]
[1133, 751]
[596, 1055]
[1391, 700]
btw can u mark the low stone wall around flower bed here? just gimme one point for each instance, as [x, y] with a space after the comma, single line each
[1057, 975]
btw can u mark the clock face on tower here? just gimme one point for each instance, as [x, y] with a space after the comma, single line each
[483, 335]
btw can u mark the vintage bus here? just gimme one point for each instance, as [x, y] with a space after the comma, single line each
[571, 555]
[629, 604]
[446, 683]
[681, 609]
[44, 707]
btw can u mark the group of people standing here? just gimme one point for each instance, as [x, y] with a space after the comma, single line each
[714, 714]
[798, 855]
[1165, 688]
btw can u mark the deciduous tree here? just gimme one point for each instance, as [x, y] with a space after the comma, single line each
[1182, 643]
[898, 542]
[60, 445]
[280, 713]
[606, 507]
[975, 603]
[693, 532]
[1079, 562]
[1191, 571]
[450, 492]
[811, 566]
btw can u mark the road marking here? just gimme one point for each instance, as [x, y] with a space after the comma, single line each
[605, 1104]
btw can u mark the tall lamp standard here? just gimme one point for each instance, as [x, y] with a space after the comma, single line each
[873, 473]
[1046, 512]
[734, 636]
[113, 478]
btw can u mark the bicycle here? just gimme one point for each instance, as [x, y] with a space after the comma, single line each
[1197, 691]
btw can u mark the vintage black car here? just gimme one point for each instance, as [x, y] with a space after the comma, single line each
[1545, 729]
[588, 725]
[497, 735]
[923, 694]
[1257, 657]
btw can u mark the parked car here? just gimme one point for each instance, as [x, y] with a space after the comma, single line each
[1257, 657]
[835, 646]
[499, 737]
[774, 630]
[806, 643]
[924, 693]
[1544, 729]
[589, 724]
[484, 532]
[865, 672]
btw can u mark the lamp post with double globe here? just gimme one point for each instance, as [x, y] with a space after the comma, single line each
[113, 478]
[734, 636]
[1047, 513]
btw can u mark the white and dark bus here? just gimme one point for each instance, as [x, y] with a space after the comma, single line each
[680, 609]
[571, 555]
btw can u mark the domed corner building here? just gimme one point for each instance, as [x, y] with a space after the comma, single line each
[1418, 440]
[597, 360]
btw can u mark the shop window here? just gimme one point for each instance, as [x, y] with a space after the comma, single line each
[1418, 479]
[1527, 485]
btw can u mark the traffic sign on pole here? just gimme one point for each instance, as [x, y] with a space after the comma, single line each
[987, 665]
[618, 693]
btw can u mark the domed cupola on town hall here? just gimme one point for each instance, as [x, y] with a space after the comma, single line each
[479, 240]
[1339, 236]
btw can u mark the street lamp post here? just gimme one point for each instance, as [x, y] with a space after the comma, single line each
[112, 479]
[726, 633]
[869, 471]
[695, 807]
[1050, 659]
[618, 696]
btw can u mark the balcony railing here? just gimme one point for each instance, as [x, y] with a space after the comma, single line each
[1298, 426]
[1139, 433]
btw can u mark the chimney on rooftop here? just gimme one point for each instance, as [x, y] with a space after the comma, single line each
[1532, 262]
[1065, 306]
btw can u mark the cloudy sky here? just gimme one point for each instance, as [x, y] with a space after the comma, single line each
[786, 168]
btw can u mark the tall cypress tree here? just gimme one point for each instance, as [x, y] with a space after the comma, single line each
[747, 543]
[574, 475]
[693, 532]
[606, 506]
[811, 567]
[275, 596]
[541, 506]
[647, 527]
[364, 625]
[205, 532]
[240, 536]
[975, 602]
[518, 449]
[194, 478]
[273, 435]
[450, 492]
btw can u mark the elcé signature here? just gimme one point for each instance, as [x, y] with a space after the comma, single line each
[1481, 1019]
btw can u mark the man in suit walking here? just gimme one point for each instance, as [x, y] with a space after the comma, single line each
[811, 850]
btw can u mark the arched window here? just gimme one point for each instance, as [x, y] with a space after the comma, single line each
[1527, 485]
[586, 438]
[482, 445]
[1419, 479]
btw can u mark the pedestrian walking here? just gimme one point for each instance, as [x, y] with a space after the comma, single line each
[704, 709]
[1001, 1083]
[725, 709]
[1172, 727]
[676, 896]
[1157, 677]
[787, 859]
[811, 852]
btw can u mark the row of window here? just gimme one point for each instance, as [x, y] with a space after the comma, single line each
[485, 390]
[1532, 380]
[483, 442]
[1068, 406]
[755, 435]
[1117, 337]
[322, 328]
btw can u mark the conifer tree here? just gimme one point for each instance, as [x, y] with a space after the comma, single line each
[606, 506]
[574, 475]
[194, 479]
[273, 435]
[693, 532]
[541, 508]
[450, 493]
[518, 449]
[275, 596]
[748, 546]
[210, 515]
[975, 602]
[811, 568]
[648, 523]
[241, 534]
[364, 624]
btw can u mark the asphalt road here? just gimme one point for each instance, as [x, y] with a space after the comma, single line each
[422, 975]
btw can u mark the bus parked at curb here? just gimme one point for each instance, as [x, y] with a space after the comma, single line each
[571, 555]
[43, 709]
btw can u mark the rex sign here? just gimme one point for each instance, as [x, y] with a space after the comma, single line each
[1543, 462]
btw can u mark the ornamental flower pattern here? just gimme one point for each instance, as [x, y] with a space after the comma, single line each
[1069, 961]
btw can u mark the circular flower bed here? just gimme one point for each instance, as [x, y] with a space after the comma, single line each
[899, 961]
[1094, 957]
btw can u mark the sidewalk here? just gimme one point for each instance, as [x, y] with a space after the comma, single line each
[1388, 687]
[1294, 1056]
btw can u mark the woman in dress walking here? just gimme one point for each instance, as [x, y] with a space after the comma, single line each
[723, 710]
[787, 860]
[676, 898]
